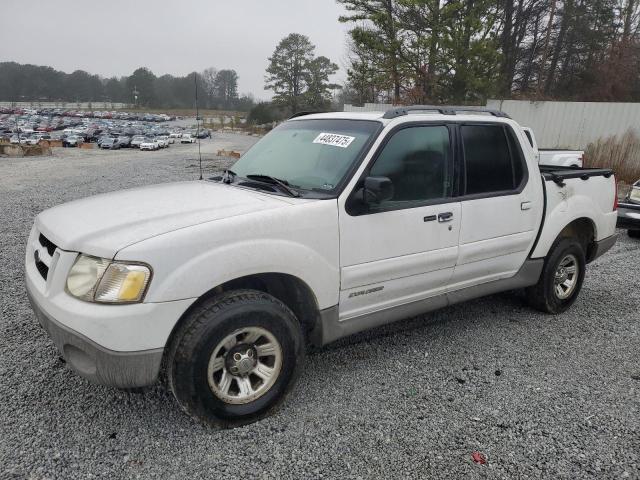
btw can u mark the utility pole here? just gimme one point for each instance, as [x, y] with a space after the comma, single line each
[135, 96]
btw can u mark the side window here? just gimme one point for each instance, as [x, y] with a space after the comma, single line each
[489, 164]
[416, 160]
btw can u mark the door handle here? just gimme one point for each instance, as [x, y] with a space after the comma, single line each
[525, 206]
[445, 217]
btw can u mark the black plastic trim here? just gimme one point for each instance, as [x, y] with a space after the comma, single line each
[544, 216]
[559, 174]
[630, 206]
[602, 247]
[304, 113]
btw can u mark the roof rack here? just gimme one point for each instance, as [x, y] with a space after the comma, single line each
[443, 109]
[302, 114]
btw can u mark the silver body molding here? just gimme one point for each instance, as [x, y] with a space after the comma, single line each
[330, 328]
[98, 364]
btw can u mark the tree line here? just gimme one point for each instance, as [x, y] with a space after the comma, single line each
[217, 89]
[401, 51]
[464, 51]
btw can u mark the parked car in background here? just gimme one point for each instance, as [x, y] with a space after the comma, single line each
[175, 135]
[101, 139]
[330, 225]
[554, 158]
[136, 141]
[629, 211]
[110, 144]
[205, 133]
[124, 141]
[72, 141]
[149, 144]
[163, 141]
[187, 138]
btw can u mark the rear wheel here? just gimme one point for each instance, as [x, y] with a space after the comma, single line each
[561, 278]
[235, 358]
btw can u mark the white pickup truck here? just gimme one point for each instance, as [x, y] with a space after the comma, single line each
[554, 158]
[330, 225]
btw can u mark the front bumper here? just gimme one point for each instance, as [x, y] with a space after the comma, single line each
[98, 364]
[628, 216]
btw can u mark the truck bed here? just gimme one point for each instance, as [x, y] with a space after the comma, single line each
[575, 193]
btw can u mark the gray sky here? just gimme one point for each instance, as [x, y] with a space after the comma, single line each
[114, 37]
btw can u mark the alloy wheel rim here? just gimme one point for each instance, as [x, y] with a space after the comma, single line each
[244, 365]
[566, 277]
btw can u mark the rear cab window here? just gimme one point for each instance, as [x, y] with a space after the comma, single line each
[493, 161]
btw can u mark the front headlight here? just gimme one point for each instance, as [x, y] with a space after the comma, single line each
[635, 194]
[94, 279]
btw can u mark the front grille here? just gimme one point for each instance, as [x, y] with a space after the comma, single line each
[42, 268]
[48, 244]
[43, 258]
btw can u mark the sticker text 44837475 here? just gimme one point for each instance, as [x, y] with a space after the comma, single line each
[334, 139]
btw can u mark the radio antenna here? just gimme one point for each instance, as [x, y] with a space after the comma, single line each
[195, 81]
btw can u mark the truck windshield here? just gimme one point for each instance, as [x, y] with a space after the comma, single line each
[308, 154]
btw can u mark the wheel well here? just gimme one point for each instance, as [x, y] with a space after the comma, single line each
[584, 231]
[290, 290]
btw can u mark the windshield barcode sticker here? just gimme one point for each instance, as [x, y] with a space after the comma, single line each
[334, 139]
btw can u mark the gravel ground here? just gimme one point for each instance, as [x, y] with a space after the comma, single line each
[538, 396]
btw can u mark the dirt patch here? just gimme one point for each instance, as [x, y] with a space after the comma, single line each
[25, 150]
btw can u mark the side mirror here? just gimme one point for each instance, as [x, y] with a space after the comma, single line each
[377, 190]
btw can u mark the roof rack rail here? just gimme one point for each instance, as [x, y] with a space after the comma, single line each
[443, 109]
[302, 114]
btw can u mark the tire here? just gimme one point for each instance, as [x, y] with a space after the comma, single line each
[544, 295]
[633, 233]
[199, 366]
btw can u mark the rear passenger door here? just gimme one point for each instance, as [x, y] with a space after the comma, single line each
[501, 204]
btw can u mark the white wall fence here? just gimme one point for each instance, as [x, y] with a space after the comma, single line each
[571, 124]
[368, 107]
[558, 124]
[69, 105]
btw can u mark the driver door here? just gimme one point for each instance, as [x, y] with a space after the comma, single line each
[404, 248]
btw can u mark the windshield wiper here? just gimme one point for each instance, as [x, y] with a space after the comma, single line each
[283, 184]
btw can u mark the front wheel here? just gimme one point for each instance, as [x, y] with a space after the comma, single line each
[634, 233]
[235, 358]
[561, 278]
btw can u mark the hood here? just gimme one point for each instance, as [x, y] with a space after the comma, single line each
[104, 224]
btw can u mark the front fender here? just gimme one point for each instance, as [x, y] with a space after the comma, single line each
[301, 241]
[220, 265]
